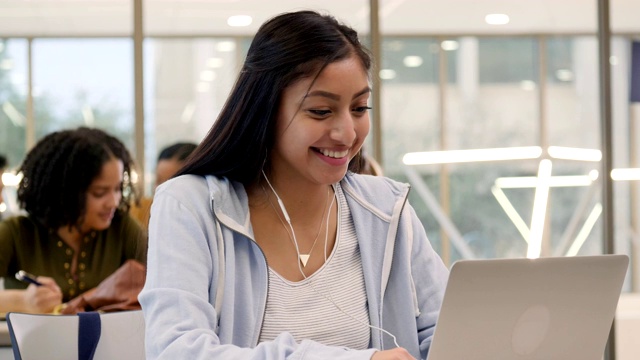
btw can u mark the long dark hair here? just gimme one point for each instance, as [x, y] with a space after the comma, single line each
[59, 169]
[286, 48]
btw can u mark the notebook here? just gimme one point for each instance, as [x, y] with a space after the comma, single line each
[547, 308]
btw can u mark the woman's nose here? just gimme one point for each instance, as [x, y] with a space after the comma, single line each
[114, 199]
[343, 129]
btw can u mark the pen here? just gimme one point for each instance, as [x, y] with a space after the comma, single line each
[28, 278]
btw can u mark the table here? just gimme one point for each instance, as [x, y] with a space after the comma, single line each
[5, 340]
[6, 353]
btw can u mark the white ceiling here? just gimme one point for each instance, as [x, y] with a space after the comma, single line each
[208, 17]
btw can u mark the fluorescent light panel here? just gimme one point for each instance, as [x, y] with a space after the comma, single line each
[239, 20]
[511, 212]
[539, 210]
[497, 154]
[585, 230]
[625, 174]
[497, 19]
[520, 182]
[474, 155]
[568, 153]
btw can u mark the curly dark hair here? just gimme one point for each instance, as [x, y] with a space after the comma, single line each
[59, 169]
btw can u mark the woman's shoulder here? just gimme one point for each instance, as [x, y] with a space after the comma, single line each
[198, 191]
[19, 223]
[21, 229]
[184, 188]
[370, 185]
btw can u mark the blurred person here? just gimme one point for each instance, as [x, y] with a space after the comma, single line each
[3, 166]
[75, 190]
[268, 244]
[170, 160]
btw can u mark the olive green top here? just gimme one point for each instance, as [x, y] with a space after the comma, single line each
[25, 244]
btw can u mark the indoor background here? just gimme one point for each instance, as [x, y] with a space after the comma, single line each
[490, 109]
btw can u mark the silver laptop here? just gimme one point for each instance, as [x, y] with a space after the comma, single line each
[547, 308]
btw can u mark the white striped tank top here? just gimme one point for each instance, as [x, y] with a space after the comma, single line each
[330, 306]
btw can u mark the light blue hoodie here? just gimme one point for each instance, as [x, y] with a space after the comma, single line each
[207, 279]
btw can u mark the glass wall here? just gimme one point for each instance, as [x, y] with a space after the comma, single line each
[449, 81]
[83, 82]
[13, 98]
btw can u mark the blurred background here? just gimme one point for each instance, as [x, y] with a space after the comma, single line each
[490, 109]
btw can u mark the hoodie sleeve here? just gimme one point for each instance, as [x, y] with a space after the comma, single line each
[176, 299]
[429, 279]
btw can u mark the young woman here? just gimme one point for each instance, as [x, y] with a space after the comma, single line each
[266, 245]
[75, 189]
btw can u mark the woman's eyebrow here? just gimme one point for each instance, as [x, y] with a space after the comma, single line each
[336, 97]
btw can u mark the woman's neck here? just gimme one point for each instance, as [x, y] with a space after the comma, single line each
[71, 236]
[301, 200]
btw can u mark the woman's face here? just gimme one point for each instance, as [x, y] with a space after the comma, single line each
[321, 126]
[103, 196]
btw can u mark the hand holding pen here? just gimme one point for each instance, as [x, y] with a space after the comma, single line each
[27, 278]
[42, 295]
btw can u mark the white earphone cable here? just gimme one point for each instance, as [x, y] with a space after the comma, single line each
[328, 298]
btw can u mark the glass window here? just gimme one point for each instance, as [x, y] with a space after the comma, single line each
[186, 84]
[13, 99]
[84, 82]
[410, 98]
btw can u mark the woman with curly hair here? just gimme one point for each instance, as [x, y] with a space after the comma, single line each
[75, 189]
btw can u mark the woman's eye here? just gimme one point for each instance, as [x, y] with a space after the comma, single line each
[320, 112]
[361, 109]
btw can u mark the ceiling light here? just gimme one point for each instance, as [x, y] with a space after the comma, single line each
[202, 87]
[497, 19]
[522, 182]
[449, 45]
[208, 75]
[239, 20]
[625, 174]
[458, 156]
[586, 230]
[6, 64]
[412, 61]
[215, 62]
[395, 45]
[564, 74]
[226, 46]
[568, 153]
[511, 212]
[187, 112]
[387, 74]
[527, 85]
[539, 211]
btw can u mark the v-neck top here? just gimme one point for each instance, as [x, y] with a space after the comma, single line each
[329, 306]
[25, 244]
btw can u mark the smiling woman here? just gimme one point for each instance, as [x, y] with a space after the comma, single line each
[283, 250]
[75, 189]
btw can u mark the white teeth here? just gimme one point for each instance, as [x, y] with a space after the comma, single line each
[334, 154]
